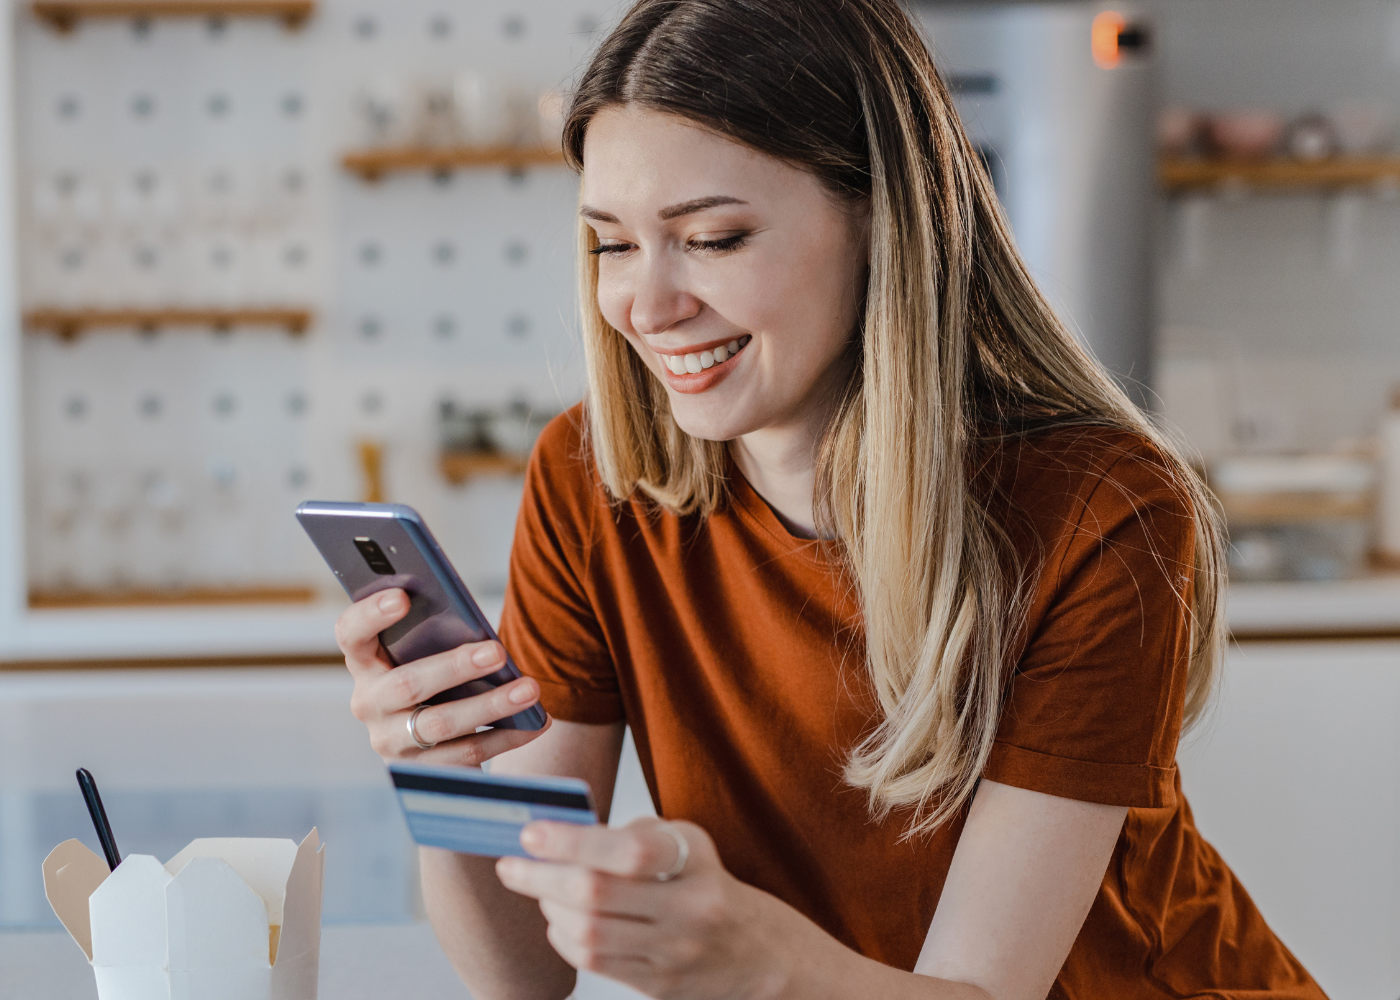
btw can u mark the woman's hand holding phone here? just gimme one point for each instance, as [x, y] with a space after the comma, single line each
[385, 695]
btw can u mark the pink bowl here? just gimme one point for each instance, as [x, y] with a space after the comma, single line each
[1246, 135]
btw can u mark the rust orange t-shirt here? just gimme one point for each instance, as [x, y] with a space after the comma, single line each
[732, 649]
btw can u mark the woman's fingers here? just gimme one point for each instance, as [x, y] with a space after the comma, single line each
[473, 751]
[590, 936]
[385, 696]
[642, 849]
[414, 683]
[588, 943]
[580, 888]
[358, 627]
[454, 719]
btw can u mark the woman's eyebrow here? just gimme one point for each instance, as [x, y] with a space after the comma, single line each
[697, 205]
[671, 211]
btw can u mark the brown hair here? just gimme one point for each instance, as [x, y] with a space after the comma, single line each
[956, 346]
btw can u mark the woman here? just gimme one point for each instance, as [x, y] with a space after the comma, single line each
[904, 601]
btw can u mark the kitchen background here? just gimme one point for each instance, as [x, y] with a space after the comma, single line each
[328, 251]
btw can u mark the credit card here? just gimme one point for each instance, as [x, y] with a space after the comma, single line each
[469, 811]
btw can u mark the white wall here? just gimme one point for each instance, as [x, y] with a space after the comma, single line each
[178, 459]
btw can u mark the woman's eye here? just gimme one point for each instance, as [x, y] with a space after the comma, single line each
[721, 245]
[607, 249]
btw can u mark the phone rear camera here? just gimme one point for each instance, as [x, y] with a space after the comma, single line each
[374, 556]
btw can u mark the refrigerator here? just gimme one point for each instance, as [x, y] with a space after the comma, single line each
[1060, 98]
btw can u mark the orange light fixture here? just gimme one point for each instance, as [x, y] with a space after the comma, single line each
[1104, 37]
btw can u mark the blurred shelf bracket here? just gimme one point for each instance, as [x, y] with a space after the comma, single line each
[67, 324]
[1379, 173]
[459, 467]
[371, 455]
[169, 596]
[373, 164]
[64, 15]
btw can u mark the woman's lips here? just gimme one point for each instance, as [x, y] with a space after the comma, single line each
[701, 370]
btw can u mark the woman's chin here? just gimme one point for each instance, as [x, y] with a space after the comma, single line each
[708, 421]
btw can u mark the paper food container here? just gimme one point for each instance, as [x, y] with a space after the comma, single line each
[225, 919]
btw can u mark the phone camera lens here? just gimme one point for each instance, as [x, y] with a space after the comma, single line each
[374, 556]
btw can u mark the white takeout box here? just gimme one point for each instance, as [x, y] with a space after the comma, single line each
[227, 918]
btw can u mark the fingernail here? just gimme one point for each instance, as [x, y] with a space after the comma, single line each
[522, 692]
[532, 838]
[390, 602]
[487, 656]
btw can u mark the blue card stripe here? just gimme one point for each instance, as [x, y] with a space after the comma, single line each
[469, 824]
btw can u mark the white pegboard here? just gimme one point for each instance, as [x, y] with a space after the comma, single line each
[196, 163]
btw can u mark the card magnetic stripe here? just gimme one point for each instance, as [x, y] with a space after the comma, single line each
[489, 790]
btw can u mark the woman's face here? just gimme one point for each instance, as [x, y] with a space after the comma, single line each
[705, 246]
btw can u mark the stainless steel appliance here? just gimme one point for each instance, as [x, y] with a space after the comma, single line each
[1061, 99]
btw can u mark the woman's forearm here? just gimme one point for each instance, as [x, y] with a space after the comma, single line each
[842, 974]
[703, 935]
[816, 966]
[494, 938]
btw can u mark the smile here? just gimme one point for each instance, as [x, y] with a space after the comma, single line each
[695, 363]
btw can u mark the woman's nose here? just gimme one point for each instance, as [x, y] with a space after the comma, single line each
[659, 302]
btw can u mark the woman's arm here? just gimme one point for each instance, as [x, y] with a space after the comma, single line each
[494, 938]
[1027, 868]
[1026, 871]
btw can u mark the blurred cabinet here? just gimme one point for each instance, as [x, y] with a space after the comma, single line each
[1295, 779]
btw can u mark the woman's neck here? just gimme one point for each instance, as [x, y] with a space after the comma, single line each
[780, 464]
[780, 460]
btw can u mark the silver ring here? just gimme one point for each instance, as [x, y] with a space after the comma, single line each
[682, 853]
[413, 729]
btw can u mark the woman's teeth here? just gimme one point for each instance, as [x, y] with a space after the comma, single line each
[693, 364]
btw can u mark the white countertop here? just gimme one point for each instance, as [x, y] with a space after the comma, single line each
[1367, 605]
[1370, 605]
[357, 963]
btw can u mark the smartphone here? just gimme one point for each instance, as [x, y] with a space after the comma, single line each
[379, 546]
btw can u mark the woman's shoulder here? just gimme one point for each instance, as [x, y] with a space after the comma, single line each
[561, 475]
[1075, 478]
[563, 443]
[1086, 449]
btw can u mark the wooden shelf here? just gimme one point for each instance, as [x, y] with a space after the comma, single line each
[64, 15]
[1258, 509]
[68, 323]
[326, 659]
[458, 467]
[173, 597]
[372, 164]
[1177, 176]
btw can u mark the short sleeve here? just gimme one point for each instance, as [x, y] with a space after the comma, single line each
[1095, 703]
[548, 623]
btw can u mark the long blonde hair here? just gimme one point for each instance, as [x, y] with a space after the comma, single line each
[956, 346]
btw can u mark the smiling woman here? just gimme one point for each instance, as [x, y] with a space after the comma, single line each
[905, 602]
[774, 265]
